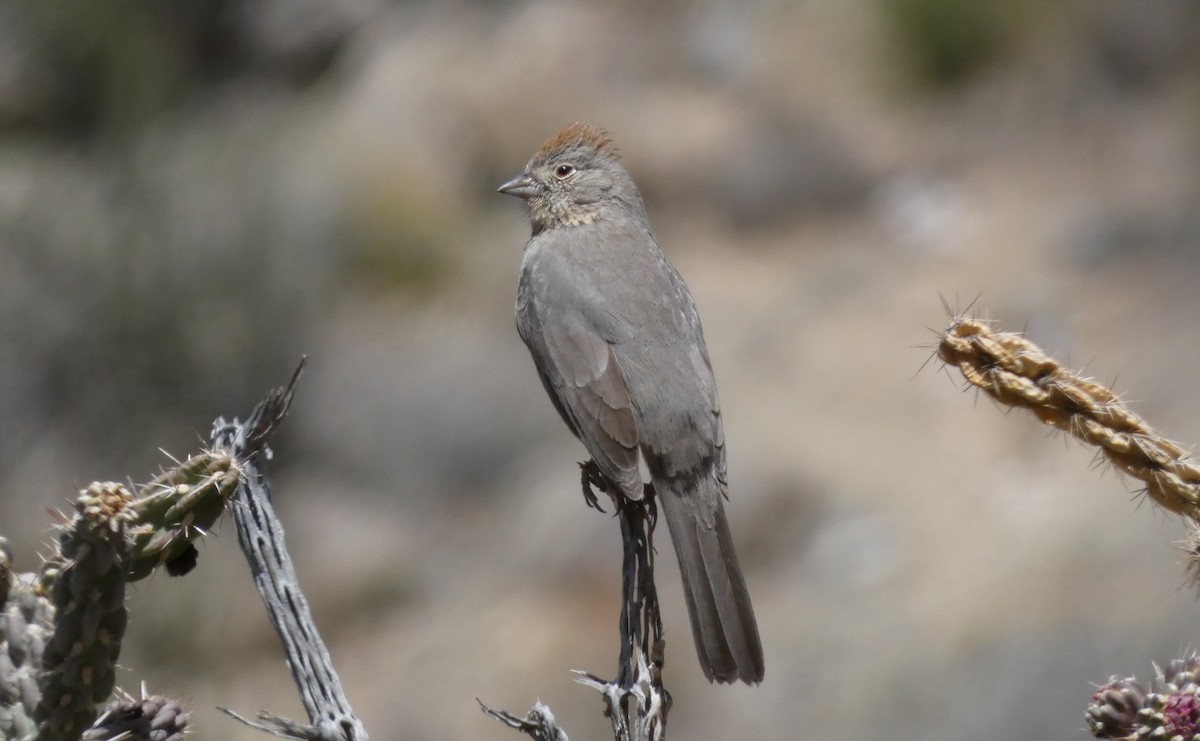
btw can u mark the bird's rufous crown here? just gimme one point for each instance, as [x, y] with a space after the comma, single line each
[579, 134]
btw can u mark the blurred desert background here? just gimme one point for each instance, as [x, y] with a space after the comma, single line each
[194, 193]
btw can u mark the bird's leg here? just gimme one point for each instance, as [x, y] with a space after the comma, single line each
[592, 478]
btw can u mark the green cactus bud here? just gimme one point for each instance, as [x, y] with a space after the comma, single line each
[175, 507]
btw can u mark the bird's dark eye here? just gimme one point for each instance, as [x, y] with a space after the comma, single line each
[562, 172]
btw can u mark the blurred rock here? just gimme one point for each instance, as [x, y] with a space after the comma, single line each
[772, 168]
[1145, 43]
[301, 38]
[22, 93]
[723, 40]
[1108, 239]
[923, 213]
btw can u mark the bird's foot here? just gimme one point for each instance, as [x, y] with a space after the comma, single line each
[591, 479]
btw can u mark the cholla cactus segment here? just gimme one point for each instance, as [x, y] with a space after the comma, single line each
[1171, 716]
[1191, 552]
[177, 506]
[1178, 674]
[1169, 710]
[25, 625]
[62, 629]
[1015, 372]
[1181, 717]
[1113, 711]
[6, 570]
[79, 662]
[153, 718]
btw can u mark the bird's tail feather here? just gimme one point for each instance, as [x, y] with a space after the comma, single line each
[723, 623]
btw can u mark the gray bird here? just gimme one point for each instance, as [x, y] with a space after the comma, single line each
[616, 339]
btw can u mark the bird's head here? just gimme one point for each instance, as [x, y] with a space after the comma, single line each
[575, 178]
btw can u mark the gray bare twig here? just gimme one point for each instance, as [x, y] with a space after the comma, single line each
[635, 702]
[539, 723]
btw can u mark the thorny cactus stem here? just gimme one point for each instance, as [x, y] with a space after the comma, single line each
[1016, 372]
[79, 662]
[61, 629]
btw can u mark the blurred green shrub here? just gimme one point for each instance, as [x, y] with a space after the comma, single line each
[943, 42]
[401, 237]
[148, 289]
[109, 67]
[112, 65]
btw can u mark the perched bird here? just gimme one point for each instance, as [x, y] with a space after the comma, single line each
[616, 339]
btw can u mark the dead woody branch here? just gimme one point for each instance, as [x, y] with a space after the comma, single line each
[260, 534]
[636, 703]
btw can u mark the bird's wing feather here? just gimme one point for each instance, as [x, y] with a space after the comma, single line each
[590, 392]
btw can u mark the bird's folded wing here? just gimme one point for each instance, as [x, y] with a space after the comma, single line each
[586, 379]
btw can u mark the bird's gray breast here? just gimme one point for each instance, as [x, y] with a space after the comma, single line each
[617, 280]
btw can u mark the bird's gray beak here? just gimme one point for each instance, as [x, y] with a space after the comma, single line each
[522, 186]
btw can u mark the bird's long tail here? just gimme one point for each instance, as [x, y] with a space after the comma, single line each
[723, 623]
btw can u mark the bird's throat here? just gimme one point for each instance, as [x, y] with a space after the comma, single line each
[547, 214]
